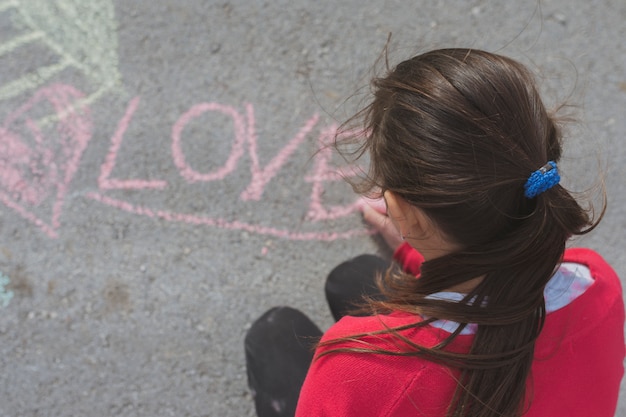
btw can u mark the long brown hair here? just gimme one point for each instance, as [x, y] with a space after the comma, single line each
[456, 133]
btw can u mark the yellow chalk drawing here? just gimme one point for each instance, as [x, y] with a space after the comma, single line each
[82, 33]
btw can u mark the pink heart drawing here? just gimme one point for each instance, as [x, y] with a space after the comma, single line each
[37, 163]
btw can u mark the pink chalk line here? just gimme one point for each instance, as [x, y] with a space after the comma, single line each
[49, 169]
[245, 131]
[322, 172]
[9, 202]
[189, 173]
[104, 182]
[225, 224]
[260, 177]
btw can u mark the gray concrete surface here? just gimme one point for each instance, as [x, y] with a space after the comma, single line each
[141, 231]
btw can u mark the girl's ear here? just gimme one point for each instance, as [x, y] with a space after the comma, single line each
[401, 213]
[412, 223]
[417, 228]
[392, 201]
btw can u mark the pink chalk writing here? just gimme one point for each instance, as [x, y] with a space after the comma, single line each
[245, 131]
[225, 224]
[104, 182]
[237, 150]
[322, 172]
[37, 166]
[260, 177]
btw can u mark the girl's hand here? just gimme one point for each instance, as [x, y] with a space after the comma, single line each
[375, 214]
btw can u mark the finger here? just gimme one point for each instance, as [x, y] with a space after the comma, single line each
[374, 217]
[378, 204]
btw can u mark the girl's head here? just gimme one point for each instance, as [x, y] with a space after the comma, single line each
[455, 135]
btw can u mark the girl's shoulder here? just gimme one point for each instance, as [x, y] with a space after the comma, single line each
[604, 295]
[594, 291]
[598, 266]
[370, 384]
[375, 331]
[580, 352]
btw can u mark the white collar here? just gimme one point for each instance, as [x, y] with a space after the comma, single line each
[568, 283]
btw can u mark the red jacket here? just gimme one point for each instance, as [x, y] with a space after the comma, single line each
[577, 369]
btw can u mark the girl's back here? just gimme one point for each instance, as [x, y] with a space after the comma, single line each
[575, 373]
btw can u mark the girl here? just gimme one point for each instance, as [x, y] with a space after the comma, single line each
[501, 320]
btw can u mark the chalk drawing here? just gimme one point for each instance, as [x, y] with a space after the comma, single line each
[104, 182]
[323, 172]
[5, 295]
[39, 157]
[37, 166]
[83, 35]
[20, 40]
[226, 224]
[237, 150]
[244, 133]
[260, 177]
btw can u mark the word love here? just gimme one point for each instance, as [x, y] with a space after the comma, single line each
[34, 165]
[244, 138]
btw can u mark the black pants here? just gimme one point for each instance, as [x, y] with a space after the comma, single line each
[279, 345]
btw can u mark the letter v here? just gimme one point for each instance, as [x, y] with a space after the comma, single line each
[104, 182]
[260, 177]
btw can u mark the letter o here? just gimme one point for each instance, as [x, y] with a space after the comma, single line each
[237, 150]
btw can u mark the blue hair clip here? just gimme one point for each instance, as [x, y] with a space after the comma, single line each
[541, 180]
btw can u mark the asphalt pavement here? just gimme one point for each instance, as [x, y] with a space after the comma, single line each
[160, 184]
